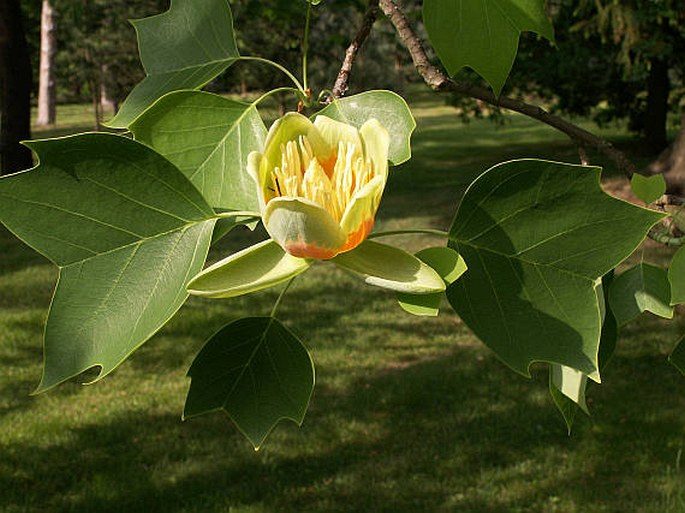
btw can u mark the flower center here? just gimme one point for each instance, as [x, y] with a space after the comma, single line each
[331, 184]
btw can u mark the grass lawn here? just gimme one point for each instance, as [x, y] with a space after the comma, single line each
[408, 414]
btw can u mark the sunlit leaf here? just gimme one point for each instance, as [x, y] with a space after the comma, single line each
[536, 236]
[449, 265]
[208, 138]
[648, 188]
[388, 108]
[258, 267]
[483, 34]
[183, 48]
[257, 371]
[642, 288]
[391, 268]
[127, 229]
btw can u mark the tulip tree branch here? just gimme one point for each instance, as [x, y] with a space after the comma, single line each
[440, 82]
[341, 82]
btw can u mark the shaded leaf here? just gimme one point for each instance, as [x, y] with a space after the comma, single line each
[676, 277]
[642, 288]
[536, 236]
[391, 268]
[648, 188]
[258, 267]
[208, 138]
[184, 48]
[449, 265]
[127, 229]
[677, 356]
[388, 108]
[257, 371]
[483, 34]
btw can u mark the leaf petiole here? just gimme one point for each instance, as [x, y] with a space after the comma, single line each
[283, 69]
[280, 297]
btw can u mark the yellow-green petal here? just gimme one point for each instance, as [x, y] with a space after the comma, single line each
[362, 208]
[289, 128]
[391, 268]
[303, 228]
[258, 267]
[376, 144]
[334, 132]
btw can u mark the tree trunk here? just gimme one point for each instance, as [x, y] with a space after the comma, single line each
[15, 89]
[46, 79]
[671, 162]
[107, 103]
[658, 87]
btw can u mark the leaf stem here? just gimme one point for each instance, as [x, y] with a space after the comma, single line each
[305, 46]
[283, 69]
[428, 231]
[280, 297]
[279, 90]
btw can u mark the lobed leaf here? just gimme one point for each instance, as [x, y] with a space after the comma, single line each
[483, 34]
[536, 236]
[184, 48]
[208, 138]
[257, 371]
[127, 230]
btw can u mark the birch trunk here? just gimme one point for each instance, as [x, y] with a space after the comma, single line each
[46, 80]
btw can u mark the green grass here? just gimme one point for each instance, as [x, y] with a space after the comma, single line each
[408, 415]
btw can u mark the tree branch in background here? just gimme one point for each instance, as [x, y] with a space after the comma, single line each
[440, 82]
[341, 82]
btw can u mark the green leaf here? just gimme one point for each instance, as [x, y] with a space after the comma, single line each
[260, 266]
[566, 406]
[642, 288]
[566, 385]
[184, 48]
[648, 188]
[677, 356]
[208, 138]
[391, 268]
[676, 277]
[388, 108]
[483, 34]
[127, 229]
[449, 265]
[257, 371]
[536, 236]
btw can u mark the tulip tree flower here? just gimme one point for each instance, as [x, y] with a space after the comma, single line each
[319, 185]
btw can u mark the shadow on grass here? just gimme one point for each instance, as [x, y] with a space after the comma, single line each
[457, 433]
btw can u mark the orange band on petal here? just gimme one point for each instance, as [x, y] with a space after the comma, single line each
[302, 249]
[355, 238]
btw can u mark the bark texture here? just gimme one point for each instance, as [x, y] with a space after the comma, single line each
[46, 77]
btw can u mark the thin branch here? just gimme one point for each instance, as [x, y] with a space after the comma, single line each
[438, 81]
[341, 82]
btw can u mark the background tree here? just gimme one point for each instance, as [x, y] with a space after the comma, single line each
[15, 89]
[46, 81]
